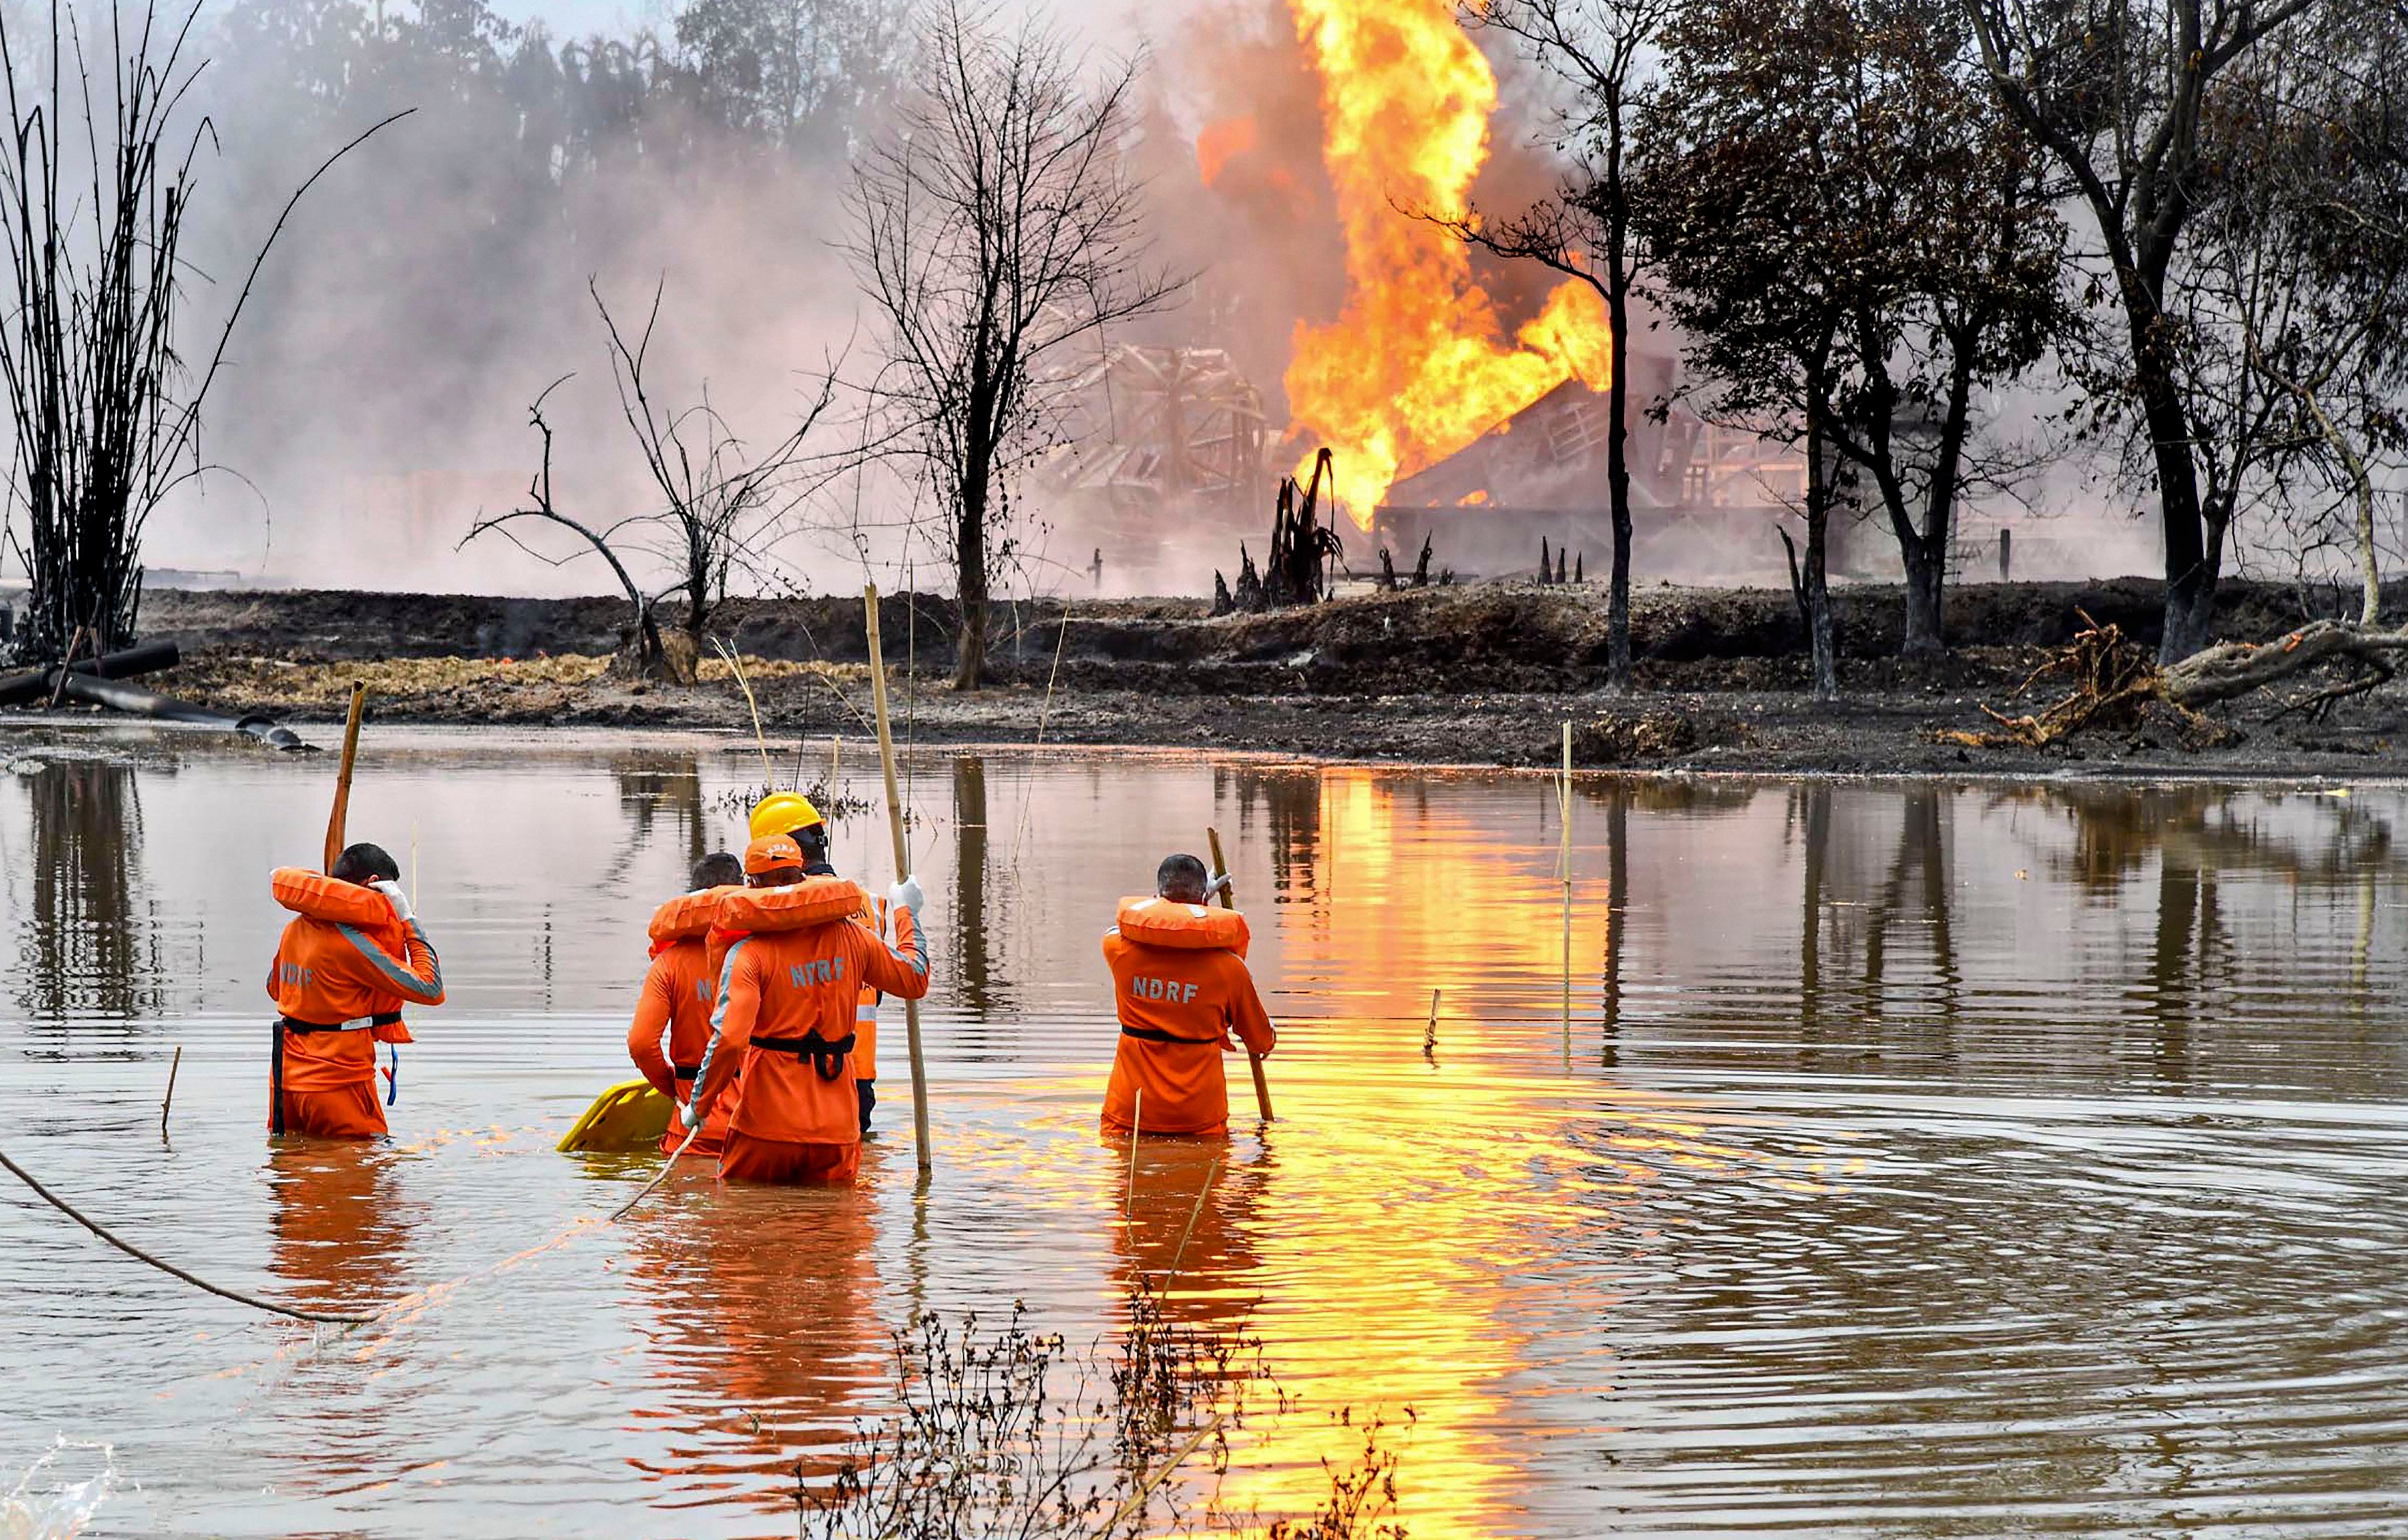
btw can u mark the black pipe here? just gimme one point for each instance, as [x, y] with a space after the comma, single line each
[141, 702]
[148, 658]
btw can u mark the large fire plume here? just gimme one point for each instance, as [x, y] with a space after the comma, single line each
[1417, 363]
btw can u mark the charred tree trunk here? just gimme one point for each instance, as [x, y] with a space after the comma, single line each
[969, 555]
[1617, 403]
[1816, 582]
[1924, 584]
[2192, 548]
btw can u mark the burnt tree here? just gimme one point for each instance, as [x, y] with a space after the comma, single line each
[104, 405]
[993, 227]
[1585, 230]
[2117, 93]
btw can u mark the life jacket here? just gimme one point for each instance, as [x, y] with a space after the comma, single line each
[686, 917]
[768, 911]
[1185, 927]
[814, 901]
[316, 895]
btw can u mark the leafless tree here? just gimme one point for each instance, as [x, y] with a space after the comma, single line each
[995, 226]
[720, 508]
[723, 507]
[2117, 93]
[106, 413]
[1596, 47]
[2303, 234]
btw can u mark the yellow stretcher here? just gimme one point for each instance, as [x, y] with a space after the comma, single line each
[627, 1117]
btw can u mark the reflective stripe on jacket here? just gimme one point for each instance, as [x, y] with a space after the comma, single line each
[339, 977]
[787, 1001]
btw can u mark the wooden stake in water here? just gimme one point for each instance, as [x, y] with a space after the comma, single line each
[1136, 1120]
[1429, 1034]
[902, 864]
[1564, 818]
[1229, 901]
[170, 1101]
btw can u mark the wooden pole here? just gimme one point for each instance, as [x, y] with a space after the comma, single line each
[1429, 1034]
[902, 863]
[1229, 901]
[343, 776]
[1564, 818]
[169, 1100]
[1136, 1121]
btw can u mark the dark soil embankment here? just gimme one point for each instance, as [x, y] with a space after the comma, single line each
[1479, 672]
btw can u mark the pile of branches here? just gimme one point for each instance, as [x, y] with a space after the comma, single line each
[1301, 552]
[2115, 683]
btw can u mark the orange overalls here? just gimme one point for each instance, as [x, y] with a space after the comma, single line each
[673, 1012]
[1180, 986]
[344, 967]
[784, 1027]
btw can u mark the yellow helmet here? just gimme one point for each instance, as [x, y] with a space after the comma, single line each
[783, 813]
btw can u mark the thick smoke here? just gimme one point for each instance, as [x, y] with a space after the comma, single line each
[435, 282]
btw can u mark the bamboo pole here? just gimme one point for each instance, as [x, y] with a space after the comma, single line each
[169, 1100]
[343, 776]
[1229, 901]
[902, 863]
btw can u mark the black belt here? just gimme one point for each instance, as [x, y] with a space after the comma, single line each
[825, 1057]
[383, 1018]
[1156, 1035]
[685, 1071]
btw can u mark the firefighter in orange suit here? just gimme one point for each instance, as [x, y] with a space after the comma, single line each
[1180, 986]
[790, 814]
[350, 959]
[783, 1027]
[673, 1012]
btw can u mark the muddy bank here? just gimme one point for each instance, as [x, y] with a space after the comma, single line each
[1482, 674]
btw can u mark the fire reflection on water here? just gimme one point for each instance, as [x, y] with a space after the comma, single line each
[1873, 1172]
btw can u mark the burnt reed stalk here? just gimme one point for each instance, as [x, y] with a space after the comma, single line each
[105, 416]
[88, 358]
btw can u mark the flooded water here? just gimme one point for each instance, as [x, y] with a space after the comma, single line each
[1920, 1158]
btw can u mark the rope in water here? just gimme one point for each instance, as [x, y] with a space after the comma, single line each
[171, 1268]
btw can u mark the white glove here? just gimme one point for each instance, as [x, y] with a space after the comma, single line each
[906, 895]
[691, 1115]
[1216, 885]
[400, 900]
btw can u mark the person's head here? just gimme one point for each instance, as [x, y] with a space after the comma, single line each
[775, 861]
[718, 869]
[1181, 879]
[812, 839]
[363, 864]
[790, 814]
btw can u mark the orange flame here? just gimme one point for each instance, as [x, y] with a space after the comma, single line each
[1416, 364]
[1218, 142]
